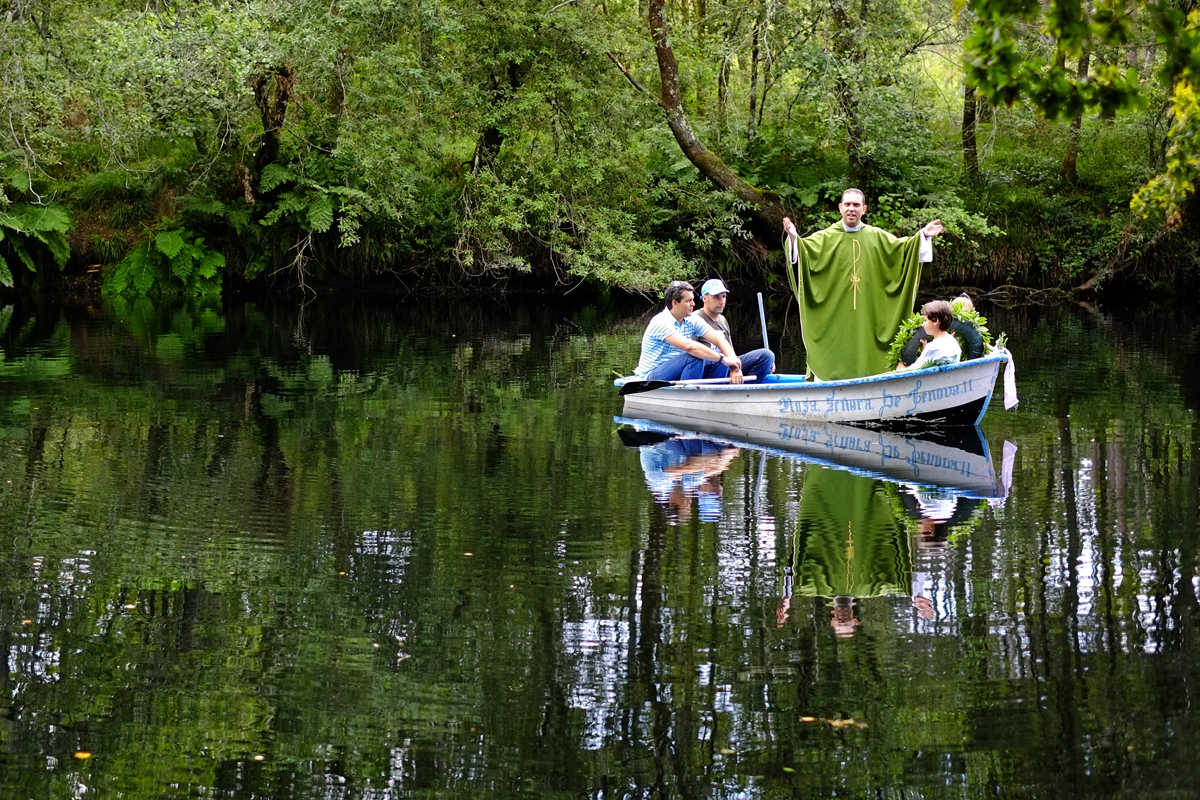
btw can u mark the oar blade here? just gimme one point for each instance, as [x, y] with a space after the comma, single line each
[634, 387]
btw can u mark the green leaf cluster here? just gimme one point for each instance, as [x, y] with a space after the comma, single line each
[172, 261]
[1166, 194]
[31, 233]
[914, 323]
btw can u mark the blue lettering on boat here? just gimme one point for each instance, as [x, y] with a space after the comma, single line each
[789, 406]
[845, 442]
[788, 433]
[889, 401]
[923, 458]
[835, 404]
[919, 397]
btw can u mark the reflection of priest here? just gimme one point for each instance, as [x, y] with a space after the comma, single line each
[848, 542]
[855, 284]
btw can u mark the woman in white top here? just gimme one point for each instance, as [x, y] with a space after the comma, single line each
[944, 347]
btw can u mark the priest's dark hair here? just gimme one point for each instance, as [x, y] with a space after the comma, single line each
[940, 312]
[674, 292]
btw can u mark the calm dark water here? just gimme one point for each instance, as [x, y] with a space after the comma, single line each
[365, 551]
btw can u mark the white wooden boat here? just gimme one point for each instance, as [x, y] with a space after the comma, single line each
[956, 459]
[955, 394]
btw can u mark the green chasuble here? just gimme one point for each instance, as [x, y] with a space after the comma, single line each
[848, 540]
[854, 289]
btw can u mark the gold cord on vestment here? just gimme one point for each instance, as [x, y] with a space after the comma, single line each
[855, 280]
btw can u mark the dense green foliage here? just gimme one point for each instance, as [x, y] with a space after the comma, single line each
[447, 140]
[1129, 41]
[31, 233]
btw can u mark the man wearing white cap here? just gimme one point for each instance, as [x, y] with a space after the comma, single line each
[670, 350]
[714, 295]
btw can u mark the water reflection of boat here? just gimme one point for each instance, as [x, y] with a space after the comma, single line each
[865, 527]
[955, 459]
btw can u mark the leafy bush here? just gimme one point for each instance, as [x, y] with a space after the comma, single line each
[169, 262]
[30, 233]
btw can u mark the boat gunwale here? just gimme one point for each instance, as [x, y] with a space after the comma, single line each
[774, 382]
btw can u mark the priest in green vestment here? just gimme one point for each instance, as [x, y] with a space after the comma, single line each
[855, 284]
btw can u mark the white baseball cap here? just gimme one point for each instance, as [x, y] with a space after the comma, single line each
[713, 286]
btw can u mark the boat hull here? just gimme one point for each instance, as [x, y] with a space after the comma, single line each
[956, 394]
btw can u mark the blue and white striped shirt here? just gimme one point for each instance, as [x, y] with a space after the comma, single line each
[655, 348]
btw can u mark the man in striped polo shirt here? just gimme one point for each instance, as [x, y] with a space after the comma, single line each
[670, 351]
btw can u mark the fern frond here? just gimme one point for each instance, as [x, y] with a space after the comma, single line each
[320, 213]
[256, 265]
[18, 247]
[274, 176]
[202, 205]
[169, 243]
[49, 218]
[181, 265]
[56, 242]
[144, 277]
[210, 264]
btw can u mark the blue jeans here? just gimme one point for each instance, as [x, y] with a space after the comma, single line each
[758, 362]
[687, 367]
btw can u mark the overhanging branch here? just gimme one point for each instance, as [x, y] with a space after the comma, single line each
[632, 80]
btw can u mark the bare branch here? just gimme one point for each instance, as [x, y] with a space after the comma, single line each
[632, 80]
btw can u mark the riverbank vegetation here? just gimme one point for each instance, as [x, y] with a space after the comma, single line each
[178, 147]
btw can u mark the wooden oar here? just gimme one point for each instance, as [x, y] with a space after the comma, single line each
[634, 387]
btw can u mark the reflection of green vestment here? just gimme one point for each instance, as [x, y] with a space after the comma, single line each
[848, 541]
[853, 289]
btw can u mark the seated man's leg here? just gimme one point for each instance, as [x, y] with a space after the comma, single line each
[687, 367]
[758, 363]
[699, 368]
[669, 370]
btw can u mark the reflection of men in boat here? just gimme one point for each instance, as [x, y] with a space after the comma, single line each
[855, 283]
[681, 468]
[848, 544]
[713, 294]
[669, 349]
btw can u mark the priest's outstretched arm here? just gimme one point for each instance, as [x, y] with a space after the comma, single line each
[927, 233]
[792, 236]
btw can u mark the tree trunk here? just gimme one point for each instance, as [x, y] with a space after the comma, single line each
[273, 90]
[732, 23]
[850, 57]
[1069, 172]
[767, 207]
[751, 129]
[723, 86]
[701, 14]
[970, 152]
[491, 138]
